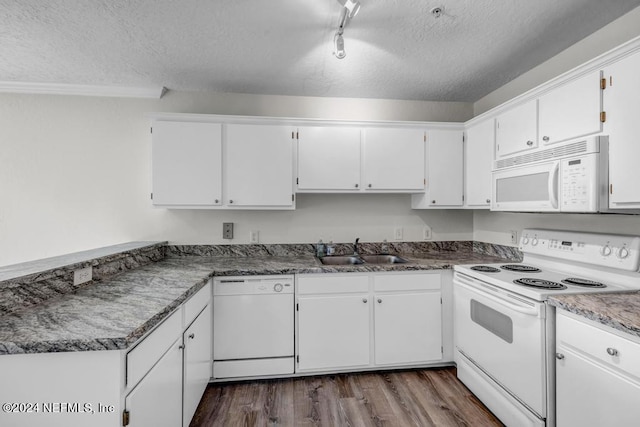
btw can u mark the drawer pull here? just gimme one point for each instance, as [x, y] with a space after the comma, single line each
[612, 351]
[559, 356]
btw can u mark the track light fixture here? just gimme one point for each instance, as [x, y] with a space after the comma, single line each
[350, 8]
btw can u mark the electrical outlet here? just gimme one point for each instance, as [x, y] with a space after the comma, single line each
[426, 232]
[514, 237]
[397, 233]
[82, 275]
[227, 230]
[254, 236]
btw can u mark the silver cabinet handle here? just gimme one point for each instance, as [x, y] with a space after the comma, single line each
[379, 300]
[433, 202]
[559, 356]
[545, 138]
[369, 185]
[230, 201]
[488, 200]
[192, 336]
[364, 300]
[216, 201]
[529, 143]
[356, 185]
[612, 351]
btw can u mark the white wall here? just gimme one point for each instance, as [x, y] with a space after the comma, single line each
[495, 227]
[75, 175]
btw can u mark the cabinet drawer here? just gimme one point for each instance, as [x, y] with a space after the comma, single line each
[596, 343]
[144, 355]
[406, 282]
[196, 303]
[332, 284]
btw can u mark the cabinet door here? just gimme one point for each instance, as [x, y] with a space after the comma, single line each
[517, 129]
[394, 159]
[197, 362]
[186, 164]
[157, 399]
[571, 110]
[328, 158]
[478, 163]
[408, 328]
[333, 332]
[622, 104]
[588, 394]
[445, 170]
[258, 166]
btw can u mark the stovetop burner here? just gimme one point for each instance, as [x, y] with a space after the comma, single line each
[485, 269]
[521, 268]
[539, 283]
[583, 282]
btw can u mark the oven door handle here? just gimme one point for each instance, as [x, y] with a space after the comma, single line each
[528, 310]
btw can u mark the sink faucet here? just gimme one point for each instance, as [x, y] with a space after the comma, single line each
[355, 247]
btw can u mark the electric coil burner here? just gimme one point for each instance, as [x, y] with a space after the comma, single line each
[520, 268]
[485, 269]
[539, 283]
[583, 282]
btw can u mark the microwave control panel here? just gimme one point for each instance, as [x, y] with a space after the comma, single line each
[578, 180]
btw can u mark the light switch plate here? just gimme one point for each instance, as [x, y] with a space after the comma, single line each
[514, 237]
[426, 232]
[397, 233]
[254, 236]
[227, 230]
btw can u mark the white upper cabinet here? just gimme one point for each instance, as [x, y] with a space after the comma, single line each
[444, 171]
[186, 164]
[516, 129]
[258, 163]
[622, 105]
[393, 159]
[328, 159]
[479, 145]
[571, 110]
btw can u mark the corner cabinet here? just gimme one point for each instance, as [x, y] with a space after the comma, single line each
[622, 105]
[198, 165]
[358, 321]
[478, 155]
[597, 374]
[445, 169]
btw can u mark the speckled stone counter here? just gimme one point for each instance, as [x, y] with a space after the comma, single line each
[620, 311]
[112, 314]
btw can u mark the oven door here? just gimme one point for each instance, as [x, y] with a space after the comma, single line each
[503, 334]
[532, 188]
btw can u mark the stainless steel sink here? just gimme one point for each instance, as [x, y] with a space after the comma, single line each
[341, 260]
[383, 259]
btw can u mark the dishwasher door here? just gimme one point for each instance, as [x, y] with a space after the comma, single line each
[253, 329]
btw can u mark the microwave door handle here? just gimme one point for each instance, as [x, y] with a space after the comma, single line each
[553, 185]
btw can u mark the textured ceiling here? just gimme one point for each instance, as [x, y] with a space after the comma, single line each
[395, 48]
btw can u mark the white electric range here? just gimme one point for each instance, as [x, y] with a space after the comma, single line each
[504, 329]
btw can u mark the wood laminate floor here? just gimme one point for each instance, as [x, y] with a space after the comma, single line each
[428, 397]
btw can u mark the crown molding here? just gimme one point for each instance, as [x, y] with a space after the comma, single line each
[82, 90]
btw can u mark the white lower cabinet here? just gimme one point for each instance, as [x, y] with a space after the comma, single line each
[157, 400]
[597, 375]
[197, 362]
[169, 393]
[355, 321]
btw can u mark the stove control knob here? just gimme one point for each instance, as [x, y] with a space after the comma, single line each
[605, 250]
[623, 253]
[525, 240]
[534, 241]
[277, 287]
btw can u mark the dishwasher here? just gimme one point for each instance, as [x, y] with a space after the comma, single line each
[253, 332]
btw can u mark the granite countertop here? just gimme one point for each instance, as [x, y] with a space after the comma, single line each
[620, 311]
[114, 313]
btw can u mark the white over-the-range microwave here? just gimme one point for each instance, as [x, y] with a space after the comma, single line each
[572, 177]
